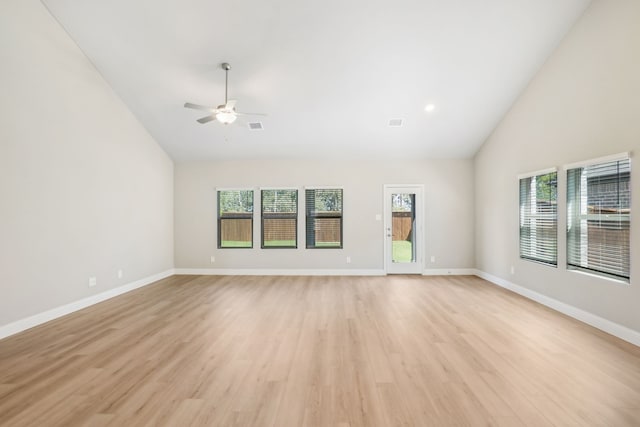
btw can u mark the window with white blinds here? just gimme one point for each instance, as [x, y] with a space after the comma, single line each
[279, 218]
[598, 209]
[539, 218]
[324, 218]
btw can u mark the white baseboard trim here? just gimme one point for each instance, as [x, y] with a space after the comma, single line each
[274, 272]
[615, 329]
[40, 318]
[312, 272]
[449, 272]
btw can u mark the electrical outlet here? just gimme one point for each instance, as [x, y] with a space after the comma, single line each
[120, 274]
[433, 258]
[213, 259]
[378, 217]
[92, 281]
[348, 260]
[513, 270]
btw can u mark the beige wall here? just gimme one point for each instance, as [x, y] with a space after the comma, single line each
[584, 103]
[448, 203]
[84, 189]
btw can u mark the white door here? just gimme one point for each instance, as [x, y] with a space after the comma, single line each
[404, 243]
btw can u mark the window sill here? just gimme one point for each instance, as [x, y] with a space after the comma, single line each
[601, 276]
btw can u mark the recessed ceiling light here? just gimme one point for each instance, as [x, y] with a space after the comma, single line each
[429, 108]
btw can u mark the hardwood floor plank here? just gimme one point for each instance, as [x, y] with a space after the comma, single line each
[318, 351]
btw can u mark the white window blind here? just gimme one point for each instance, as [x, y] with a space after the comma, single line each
[324, 218]
[539, 218]
[598, 208]
[279, 218]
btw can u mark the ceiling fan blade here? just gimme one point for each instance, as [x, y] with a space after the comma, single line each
[198, 107]
[230, 103]
[250, 114]
[206, 119]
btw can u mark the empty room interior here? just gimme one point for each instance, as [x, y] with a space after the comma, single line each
[290, 213]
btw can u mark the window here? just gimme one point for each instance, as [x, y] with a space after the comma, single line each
[324, 218]
[403, 226]
[539, 217]
[279, 218]
[235, 218]
[598, 207]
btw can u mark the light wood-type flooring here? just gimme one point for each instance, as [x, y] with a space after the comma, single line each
[318, 351]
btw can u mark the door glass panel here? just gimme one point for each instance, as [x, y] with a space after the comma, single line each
[403, 216]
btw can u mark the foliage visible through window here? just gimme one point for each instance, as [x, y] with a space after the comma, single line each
[324, 218]
[235, 219]
[598, 226]
[539, 218]
[279, 218]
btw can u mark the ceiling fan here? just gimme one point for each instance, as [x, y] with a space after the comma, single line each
[225, 113]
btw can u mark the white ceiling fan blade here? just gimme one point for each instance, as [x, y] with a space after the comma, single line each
[230, 104]
[198, 107]
[250, 114]
[206, 119]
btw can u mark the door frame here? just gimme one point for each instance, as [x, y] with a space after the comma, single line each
[416, 267]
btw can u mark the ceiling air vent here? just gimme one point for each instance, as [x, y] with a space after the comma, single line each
[395, 123]
[255, 126]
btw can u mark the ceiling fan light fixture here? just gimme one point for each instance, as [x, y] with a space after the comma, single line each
[226, 117]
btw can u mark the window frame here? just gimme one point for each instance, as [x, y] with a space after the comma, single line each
[293, 215]
[571, 217]
[310, 216]
[234, 216]
[523, 218]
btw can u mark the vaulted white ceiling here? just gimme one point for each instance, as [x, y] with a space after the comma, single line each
[329, 74]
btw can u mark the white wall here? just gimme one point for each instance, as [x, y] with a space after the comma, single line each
[448, 203]
[84, 189]
[584, 103]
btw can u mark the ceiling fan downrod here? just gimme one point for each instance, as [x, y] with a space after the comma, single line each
[226, 67]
